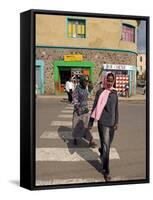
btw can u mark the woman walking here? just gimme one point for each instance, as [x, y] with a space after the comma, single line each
[81, 113]
[105, 111]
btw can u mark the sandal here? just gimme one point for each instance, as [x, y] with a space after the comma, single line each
[100, 150]
[107, 177]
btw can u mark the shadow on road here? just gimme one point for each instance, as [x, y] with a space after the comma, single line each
[64, 100]
[66, 135]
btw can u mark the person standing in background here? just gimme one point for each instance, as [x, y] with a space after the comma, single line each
[126, 90]
[69, 89]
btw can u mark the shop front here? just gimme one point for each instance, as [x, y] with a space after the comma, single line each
[125, 75]
[56, 65]
[71, 67]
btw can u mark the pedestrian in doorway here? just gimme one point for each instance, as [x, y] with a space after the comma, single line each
[69, 89]
[105, 111]
[81, 113]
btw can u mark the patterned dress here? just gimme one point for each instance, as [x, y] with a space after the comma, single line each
[80, 114]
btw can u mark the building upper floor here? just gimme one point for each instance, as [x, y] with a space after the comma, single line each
[86, 32]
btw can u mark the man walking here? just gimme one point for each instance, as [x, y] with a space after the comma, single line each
[69, 89]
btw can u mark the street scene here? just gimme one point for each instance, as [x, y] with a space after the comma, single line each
[59, 161]
[90, 86]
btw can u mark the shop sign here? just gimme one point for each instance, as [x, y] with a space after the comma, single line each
[118, 67]
[73, 57]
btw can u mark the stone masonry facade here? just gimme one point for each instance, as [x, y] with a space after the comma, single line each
[98, 57]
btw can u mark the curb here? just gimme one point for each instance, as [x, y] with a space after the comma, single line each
[120, 98]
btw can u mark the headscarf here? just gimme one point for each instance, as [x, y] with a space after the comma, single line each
[82, 79]
[103, 97]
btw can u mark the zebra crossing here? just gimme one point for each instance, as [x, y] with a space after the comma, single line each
[62, 154]
[72, 154]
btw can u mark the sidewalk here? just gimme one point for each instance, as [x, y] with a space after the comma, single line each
[138, 97]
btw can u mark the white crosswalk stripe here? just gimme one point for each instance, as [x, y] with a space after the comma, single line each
[68, 181]
[83, 180]
[65, 154]
[66, 123]
[67, 111]
[65, 116]
[62, 134]
[71, 154]
[71, 108]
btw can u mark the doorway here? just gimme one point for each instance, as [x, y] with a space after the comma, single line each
[64, 70]
[39, 77]
[38, 80]
[65, 75]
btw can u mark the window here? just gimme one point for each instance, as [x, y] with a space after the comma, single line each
[76, 28]
[128, 33]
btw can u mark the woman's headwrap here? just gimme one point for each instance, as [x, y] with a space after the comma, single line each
[96, 114]
[105, 77]
[83, 79]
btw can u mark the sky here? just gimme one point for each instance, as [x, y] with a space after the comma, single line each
[141, 41]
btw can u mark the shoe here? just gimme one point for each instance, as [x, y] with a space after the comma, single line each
[107, 177]
[100, 150]
[75, 141]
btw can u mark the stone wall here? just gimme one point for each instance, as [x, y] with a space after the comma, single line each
[98, 57]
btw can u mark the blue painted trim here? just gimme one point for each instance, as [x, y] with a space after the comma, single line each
[87, 48]
[129, 25]
[130, 83]
[67, 28]
[41, 64]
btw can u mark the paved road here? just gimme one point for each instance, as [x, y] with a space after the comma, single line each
[58, 161]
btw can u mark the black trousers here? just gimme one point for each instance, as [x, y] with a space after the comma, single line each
[106, 135]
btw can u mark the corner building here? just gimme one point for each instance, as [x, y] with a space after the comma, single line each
[68, 46]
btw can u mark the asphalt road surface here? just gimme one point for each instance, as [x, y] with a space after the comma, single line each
[58, 161]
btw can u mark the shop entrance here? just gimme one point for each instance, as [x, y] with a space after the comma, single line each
[125, 76]
[38, 80]
[64, 75]
[70, 73]
[64, 70]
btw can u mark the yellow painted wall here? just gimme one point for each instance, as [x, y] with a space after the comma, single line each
[51, 30]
